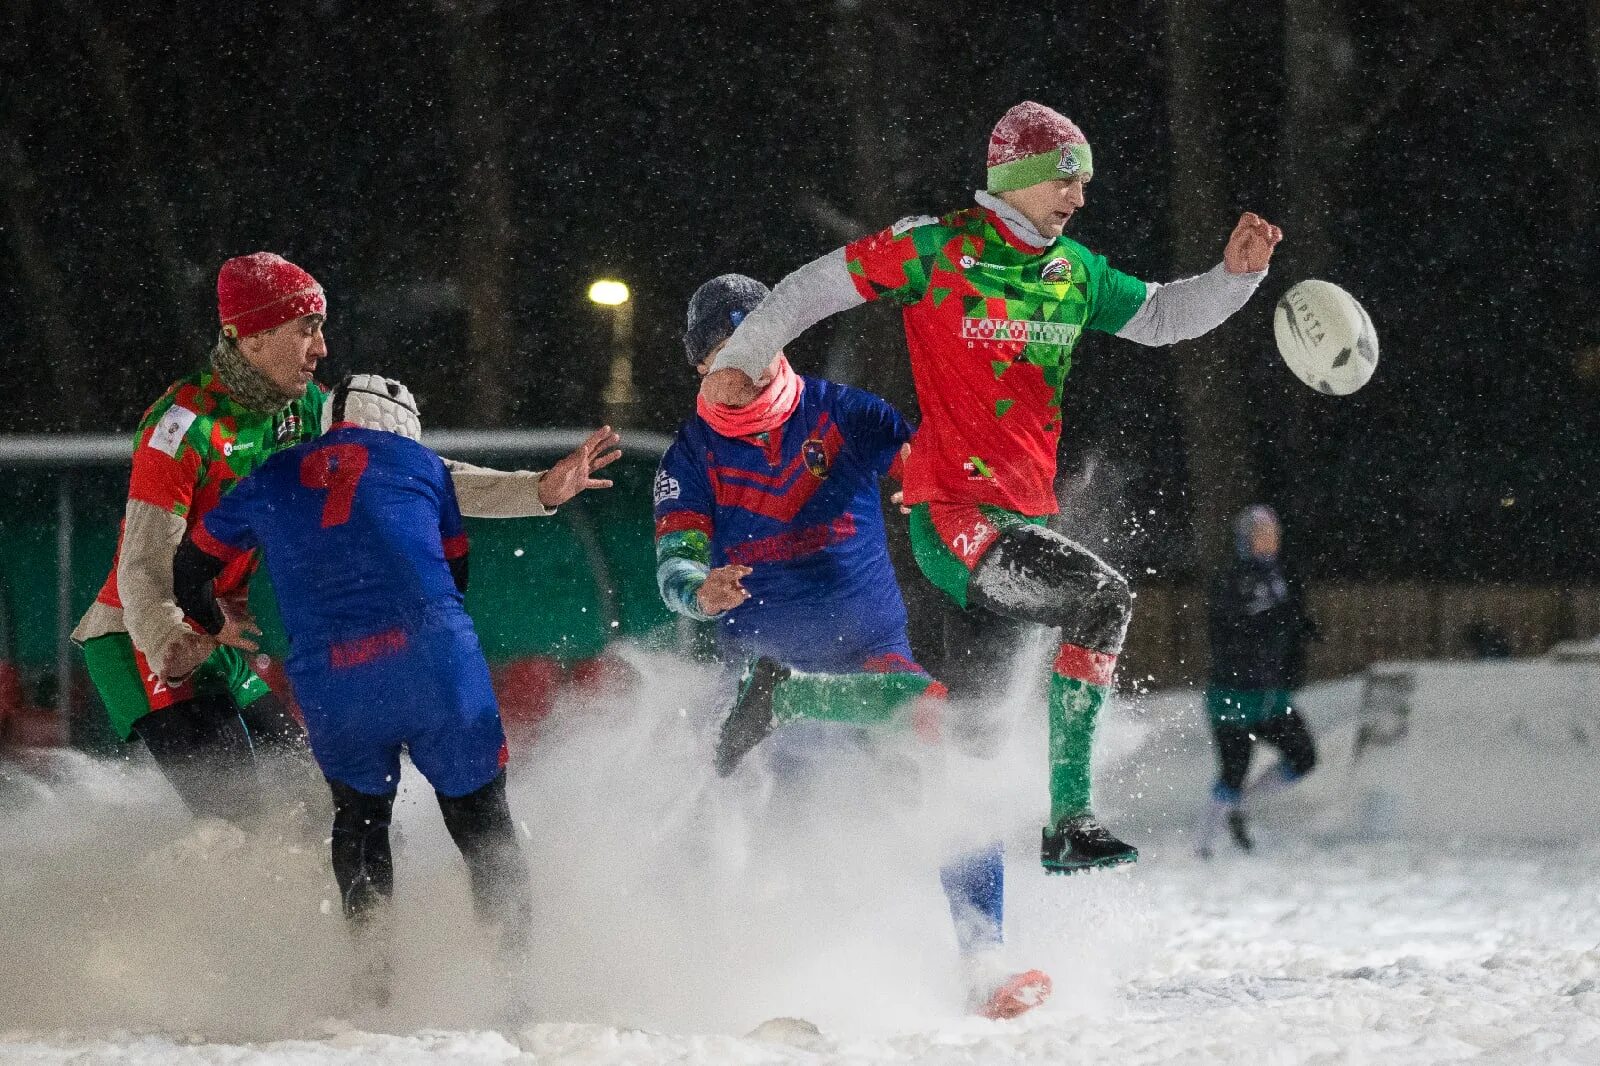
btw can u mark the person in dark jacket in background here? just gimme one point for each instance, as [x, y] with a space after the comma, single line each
[1258, 629]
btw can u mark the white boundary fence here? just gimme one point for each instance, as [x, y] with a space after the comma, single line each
[65, 452]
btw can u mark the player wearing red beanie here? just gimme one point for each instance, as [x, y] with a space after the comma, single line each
[995, 299]
[206, 432]
[194, 699]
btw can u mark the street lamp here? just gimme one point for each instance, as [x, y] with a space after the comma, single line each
[619, 397]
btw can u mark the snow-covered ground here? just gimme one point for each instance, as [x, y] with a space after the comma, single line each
[1436, 900]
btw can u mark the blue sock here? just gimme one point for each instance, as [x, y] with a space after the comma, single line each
[975, 886]
[1227, 796]
[1276, 779]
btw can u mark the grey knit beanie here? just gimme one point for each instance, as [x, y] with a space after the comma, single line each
[715, 311]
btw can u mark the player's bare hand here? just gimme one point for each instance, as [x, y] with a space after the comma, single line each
[239, 629]
[1250, 245]
[723, 589]
[575, 473]
[898, 496]
[729, 386]
[186, 652]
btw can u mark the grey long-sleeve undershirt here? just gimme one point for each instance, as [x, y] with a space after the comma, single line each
[1177, 311]
[1185, 309]
[814, 292]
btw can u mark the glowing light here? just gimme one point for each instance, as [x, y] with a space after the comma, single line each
[609, 292]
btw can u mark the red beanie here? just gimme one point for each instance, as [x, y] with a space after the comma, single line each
[259, 291]
[1033, 143]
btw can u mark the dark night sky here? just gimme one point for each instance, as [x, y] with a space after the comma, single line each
[668, 142]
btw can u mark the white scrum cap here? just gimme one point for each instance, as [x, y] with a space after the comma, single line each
[373, 402]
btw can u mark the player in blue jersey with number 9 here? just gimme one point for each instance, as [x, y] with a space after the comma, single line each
[362, 539]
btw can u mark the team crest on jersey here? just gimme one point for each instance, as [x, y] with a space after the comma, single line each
[1056, 269]
[816, 457]
[288, 428]
[667, 487]
[1069, 164]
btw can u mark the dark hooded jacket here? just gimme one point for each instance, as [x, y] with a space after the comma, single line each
[1258, 623]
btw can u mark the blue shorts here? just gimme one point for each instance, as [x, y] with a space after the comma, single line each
[427, 689]
[891, 654]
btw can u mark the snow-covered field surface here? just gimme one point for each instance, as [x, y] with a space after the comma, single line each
[1436, 900]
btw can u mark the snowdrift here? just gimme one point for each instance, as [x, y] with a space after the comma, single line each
[1440, 872]
[1501, 751]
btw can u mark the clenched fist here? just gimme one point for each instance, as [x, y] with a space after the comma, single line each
[1250, 246]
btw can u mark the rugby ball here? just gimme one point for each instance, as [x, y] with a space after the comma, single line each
[1326, 337]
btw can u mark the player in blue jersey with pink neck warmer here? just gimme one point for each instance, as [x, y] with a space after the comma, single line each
[769, 522]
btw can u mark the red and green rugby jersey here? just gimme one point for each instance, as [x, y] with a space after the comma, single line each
[991, 323]
[195, 443]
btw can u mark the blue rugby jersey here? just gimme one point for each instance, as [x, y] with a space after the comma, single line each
[356, 529]
[802, 509]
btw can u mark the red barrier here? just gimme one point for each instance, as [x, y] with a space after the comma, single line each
[528, 688]
[22, 725]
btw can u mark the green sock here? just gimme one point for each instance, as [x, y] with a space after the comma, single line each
[1074, 707]
[855, 699]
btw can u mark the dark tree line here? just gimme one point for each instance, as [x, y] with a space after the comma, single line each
[457, 171]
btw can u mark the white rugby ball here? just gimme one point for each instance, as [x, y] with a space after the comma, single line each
[1326, 337]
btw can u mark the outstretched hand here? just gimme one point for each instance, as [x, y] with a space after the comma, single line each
[723, 589]
[574, 474]
[1250, 245]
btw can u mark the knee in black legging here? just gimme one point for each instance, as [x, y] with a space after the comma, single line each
[480, 824]
[1300, 760]
[272, 727]
[204, 751]
[1038, 575]
[362, 862]
[1290, 734]
[1102, 622]
[1303, 765]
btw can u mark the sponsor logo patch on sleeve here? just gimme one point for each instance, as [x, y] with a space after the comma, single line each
[667, 487]
[168, 435]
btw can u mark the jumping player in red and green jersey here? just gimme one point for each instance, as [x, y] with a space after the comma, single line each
[995, 299]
